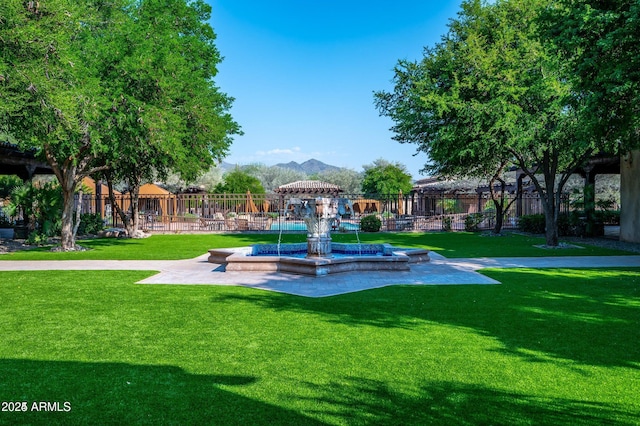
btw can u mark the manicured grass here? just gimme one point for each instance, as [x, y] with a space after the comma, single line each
[186, 246]
[557, 347]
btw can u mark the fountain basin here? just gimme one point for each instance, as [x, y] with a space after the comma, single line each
[291, 258]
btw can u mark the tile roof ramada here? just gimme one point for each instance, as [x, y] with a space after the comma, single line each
[308, 187]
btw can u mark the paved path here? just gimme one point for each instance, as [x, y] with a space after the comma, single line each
[439, 271]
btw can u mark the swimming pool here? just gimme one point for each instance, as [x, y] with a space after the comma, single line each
[300, 226]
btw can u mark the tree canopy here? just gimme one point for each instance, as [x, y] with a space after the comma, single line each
[494, 93]
[238, 181]
[600, 41]
[383, 178]
[119, 85]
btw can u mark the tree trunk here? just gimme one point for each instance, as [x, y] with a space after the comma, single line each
[134, 193]
[68, 185]
[551, 212]
[551, 228]
[499, 217]
[123, 215]
[78, 215]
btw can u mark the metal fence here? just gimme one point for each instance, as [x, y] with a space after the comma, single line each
[267, 212]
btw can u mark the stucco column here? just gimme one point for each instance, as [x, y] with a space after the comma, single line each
[630, 197]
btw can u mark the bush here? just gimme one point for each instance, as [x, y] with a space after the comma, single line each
[90, 223]
[610, 217]
[568, 224]
[472, 221]
[40, 206]
[5, 222]
[447, 222]
[532, 223]
[370, 223]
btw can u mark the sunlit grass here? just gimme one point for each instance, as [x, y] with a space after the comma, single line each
[186, 246]
[545, 347]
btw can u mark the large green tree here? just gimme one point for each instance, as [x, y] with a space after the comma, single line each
[50, 100]
[124, 86]
[166, 114]
[492, 94]
[600, 39]
[271, 177]
[238, 181]
[348, 180]
[386, 179]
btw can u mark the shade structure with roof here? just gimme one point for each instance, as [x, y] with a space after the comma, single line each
[309, 188]
[100, 194]
[366, 205]
[157, 200]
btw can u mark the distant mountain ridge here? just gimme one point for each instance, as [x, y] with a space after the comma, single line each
[309, 167]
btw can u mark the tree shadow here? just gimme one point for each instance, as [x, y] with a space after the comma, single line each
[355, 400]
[96, 243]
[116, 393]
[592, 319]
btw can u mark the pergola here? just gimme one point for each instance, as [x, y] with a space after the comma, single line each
[20, 163]
[309, 188]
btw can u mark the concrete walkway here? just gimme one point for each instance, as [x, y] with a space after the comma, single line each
[440, 271]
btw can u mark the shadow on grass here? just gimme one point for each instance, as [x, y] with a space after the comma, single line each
[588, 316]
[362, 401]
[114, 393]
[97, 243]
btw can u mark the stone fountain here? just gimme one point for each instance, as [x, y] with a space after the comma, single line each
[317, 257]
[319, 215]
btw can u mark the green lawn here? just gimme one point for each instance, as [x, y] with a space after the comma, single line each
[186, 246]
[556, 347]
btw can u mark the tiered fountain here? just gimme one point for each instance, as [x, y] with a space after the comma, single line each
[320, 256]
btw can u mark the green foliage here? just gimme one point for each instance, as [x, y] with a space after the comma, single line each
[599, 42]
[491, 94]
[127, 85]
[383, 178]
[90, 223]
[609, 217]
[51, 99]
[447, 223]
[239, 182]
[5, 222]
[471, 221]
[448, 205]
[532, 223]
[7, 183]
[272, 177]
[370, 223]
[165, 111]
[40, 206]
[349, 180]
[36, 238]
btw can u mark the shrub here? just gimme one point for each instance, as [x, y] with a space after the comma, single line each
[40, 206]
[472, 221]
[611, 217]
[568, 224]
[446, 223]
[532, 223]
[5, 222]
[370, 223]
[90, 223]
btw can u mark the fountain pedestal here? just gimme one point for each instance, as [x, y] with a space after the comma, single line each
[319, 246]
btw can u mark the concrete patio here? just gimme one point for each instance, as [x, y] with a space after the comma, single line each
[439, 271]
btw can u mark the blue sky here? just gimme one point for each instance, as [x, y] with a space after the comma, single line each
[303, 73]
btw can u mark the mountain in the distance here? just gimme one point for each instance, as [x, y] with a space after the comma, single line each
[309, 167]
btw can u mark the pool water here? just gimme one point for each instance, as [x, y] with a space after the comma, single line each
[300, 226]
